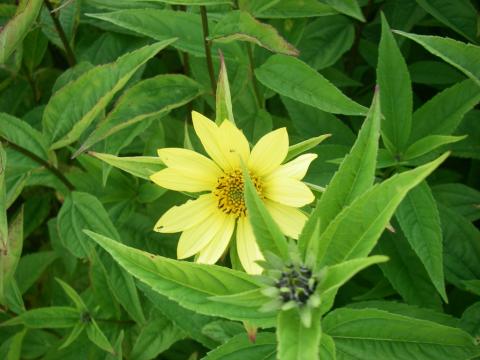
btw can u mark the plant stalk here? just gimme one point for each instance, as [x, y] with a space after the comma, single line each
[208, 50]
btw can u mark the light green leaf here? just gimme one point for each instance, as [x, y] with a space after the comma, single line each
[354, 176]
[19, 132]
[443, 113]
[406, 273]
[354, 231]
[241, 347]
[192, 2]
[268, 235]
[74, 334]
[96, 335]
[139, 166]
[189, 284]
[293, 78]
[47, 317]
[295, 341]
[13, 33]
[374, 334]
[305, 145]
[223, 99]
[287, 9]
[430, 143]
[327, 348]
[15, 347]
[240, 25]
[459, 15]
[75, 106]
[347, 7]
[161, 25]
[151, 97]
[251, 298]
[396, 92]
[3, 203]
[465, 57]
[73, 295]
[420, 221]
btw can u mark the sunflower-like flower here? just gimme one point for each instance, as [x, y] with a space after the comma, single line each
[208, 222]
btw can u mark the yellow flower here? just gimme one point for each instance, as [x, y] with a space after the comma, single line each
[207, 223]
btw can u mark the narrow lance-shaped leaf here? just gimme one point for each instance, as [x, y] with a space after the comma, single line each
[355, 231]
[295, 341]
[240, 25]
[354, 176]
[189, 284]
[366, 334]
[3, 200]
[299, 148]
[293, 78]
[465, 57]
[12, 35]
[76, 105]
[46, 317]
[268, 235]
[241, 347]
[139, 166]
[287, 9]
[73, 295]
[223, 100]
[396, 92]
[150, 97]
[96, 335]
[430, 143]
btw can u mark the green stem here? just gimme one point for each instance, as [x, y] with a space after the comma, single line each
[63, 37]
[252, 75]
[42, 162]
[208, 50]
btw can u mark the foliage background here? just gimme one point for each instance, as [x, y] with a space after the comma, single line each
[122, 77]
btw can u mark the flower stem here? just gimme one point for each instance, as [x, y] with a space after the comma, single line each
[61, 33]
[40, 161]
[252, 74]
[208, 50]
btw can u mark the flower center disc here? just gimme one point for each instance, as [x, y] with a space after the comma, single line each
[229, 193]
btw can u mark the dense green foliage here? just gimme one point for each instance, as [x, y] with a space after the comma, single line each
[385, 92]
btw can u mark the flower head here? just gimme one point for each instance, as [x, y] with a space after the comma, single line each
[208, 222]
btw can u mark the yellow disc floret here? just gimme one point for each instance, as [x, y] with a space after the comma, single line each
[229, 193]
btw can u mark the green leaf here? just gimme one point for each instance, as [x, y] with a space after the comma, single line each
[75, 106]
[240, 347]
[155, 337]
[20, 133]
[151, 97]
[295, 341]
[465, 57]
[354, 176]
[139, 166]
[240, 25]
[470, 321]
[459, 15]
[31, 267]
[355, 230]
[327, 347]
[443, 113]
[405, 271]
[15, 348]
[73, 295]
[268, 235]
[374, 334]
[287, 9]
[195, 2]
[83, 211]
[47, 317]
[420, 221]
[395, 91]
[189, 284]
[463, 199]
[223, 99]
[339, 274]
[305, 145]
[347, 7]
[3, 205]
[293, 78]
[15, 30]
[96, 335]
[74, 334]
[429, 143]
[161, 25]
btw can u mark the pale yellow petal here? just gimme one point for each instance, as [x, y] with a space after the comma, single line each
[181, 181]
[216, 248]
[179, 218]
[295, 169]
[236, 143]
[191, 163]
[196, 238]
[247, 247]
[287, 191]
[289, 219]
[269, 152]
[211, 139]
